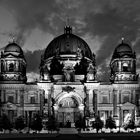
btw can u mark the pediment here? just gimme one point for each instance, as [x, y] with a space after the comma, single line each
[128, 105]
[9, 56]
[9, 105]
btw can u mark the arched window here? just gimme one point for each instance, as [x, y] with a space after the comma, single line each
[11, 67]
[2, 65]
[68, 102]
[125, 67]
[32, 100]
[105, 99]
[11, 99]
[126, 98]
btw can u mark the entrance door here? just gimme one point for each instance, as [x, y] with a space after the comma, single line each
[68, 114]
[67, 107]
[11, 115]
[69, 117]
[104, 115]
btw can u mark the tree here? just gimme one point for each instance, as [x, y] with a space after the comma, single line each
[110, 123]
[130, 125]
[19, 123]
[52, 124]
[37, 123]
[97, 124]
[6, 124]
[1, 124]
[80, 123]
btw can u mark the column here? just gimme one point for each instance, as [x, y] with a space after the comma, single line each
[22, 102]
[87, 104]
[95, 102]
[49, 103]
[133, 96]
[81, 109]
[121, 116]
[119, 66]
[41, 102]
[115, 103]
[5, 65]
[137, 103]
[55, 111]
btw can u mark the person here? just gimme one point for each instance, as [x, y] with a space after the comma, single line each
[68, 124]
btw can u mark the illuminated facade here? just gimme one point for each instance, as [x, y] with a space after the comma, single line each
[68, 76]
[17, 96]
[68, 86]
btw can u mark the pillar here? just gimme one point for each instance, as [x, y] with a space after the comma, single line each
[115, 103]
[87, 104]
[41, 102]
[81, 109]
[22, 102]
[95, 102]
[55, 111]
[120, 116]
[119, 66]
[49, 103]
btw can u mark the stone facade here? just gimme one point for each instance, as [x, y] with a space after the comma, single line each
[68, 77]
[18, 98]
[68, 87]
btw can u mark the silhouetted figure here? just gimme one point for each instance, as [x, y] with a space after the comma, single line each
[68, 125]
[56, 67]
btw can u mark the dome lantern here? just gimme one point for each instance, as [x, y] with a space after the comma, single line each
[67, 30]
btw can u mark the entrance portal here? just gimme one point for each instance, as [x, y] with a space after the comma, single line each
[68, 111]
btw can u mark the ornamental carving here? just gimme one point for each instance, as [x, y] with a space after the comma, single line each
[68, 89]
[125, 77]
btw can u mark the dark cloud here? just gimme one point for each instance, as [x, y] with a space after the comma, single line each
[111, 19]
[33, 60]
[117, 19]
[104, 74]
[31, 14]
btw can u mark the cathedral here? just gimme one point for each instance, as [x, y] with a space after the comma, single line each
[68, 87]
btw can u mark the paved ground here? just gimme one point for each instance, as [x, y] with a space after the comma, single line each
[72, 134]
[106, 136]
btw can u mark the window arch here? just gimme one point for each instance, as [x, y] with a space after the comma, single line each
[68, 102]
[125, 67]
[125, 98]
[105, 99]
[32, 100]
[10, 99]
[11, 67]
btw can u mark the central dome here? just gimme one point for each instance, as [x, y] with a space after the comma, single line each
[67, 44]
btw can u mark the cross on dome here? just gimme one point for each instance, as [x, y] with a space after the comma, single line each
[122, 40]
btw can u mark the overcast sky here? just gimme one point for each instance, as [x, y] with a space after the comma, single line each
[101, 23]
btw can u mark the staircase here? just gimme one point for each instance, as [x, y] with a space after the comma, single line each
[68, 131]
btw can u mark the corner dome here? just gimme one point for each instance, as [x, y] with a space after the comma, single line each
[13, 47]
[67, 44]
[123, 50]
[123, 47]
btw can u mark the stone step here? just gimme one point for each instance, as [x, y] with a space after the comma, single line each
[68, 131]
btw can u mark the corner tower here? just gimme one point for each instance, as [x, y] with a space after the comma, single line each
[13, 64]
[123, 64]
